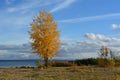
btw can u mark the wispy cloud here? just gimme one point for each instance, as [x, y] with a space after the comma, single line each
[22, 12]
[90, 18]
[28, 5]
[9, 1]
[23, 6]
[62, 5]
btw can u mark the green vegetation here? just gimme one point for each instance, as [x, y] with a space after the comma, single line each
[106, 59]
[98, 62]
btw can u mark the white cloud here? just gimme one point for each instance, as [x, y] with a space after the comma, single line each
[77, 49]
[90, 18]
[11, 52]
[68, 50]
[101, 37]
[91, 36]
[63, 5]
[101, 40]
[115, 27]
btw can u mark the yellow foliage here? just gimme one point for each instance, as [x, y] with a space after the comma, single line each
[45, 36]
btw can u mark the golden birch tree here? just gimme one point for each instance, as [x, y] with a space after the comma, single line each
[45, 36]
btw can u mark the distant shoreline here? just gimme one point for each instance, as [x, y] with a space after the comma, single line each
[25, 63]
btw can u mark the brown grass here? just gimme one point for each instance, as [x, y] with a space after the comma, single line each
[61, 73]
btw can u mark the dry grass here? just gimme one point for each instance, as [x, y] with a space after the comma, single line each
[61, 73]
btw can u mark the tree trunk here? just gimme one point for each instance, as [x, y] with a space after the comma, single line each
[46, 62]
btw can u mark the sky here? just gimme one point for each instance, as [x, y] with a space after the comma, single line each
[84, 25]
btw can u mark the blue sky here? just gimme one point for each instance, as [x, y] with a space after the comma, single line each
[85, 26]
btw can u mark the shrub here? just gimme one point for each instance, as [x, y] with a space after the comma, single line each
[74, 67]
[39, 64]
[61, 64]
[117, 62]
[96, 61]
[22, 66]
[89, 61]
[106, 62]
[111, 62]
[25, 67]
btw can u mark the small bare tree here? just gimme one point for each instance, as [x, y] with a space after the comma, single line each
[104, 51]
[107, 53]
[107, 57]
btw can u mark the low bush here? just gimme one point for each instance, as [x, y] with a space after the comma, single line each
[106, 62]
[61, 64]
[39, 64]
[117, 62]
[25, 67]
[74, 68]
[89, 61]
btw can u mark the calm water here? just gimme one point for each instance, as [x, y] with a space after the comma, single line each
[18, 63]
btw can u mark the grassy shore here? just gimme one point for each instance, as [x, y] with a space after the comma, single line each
[61, 73]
